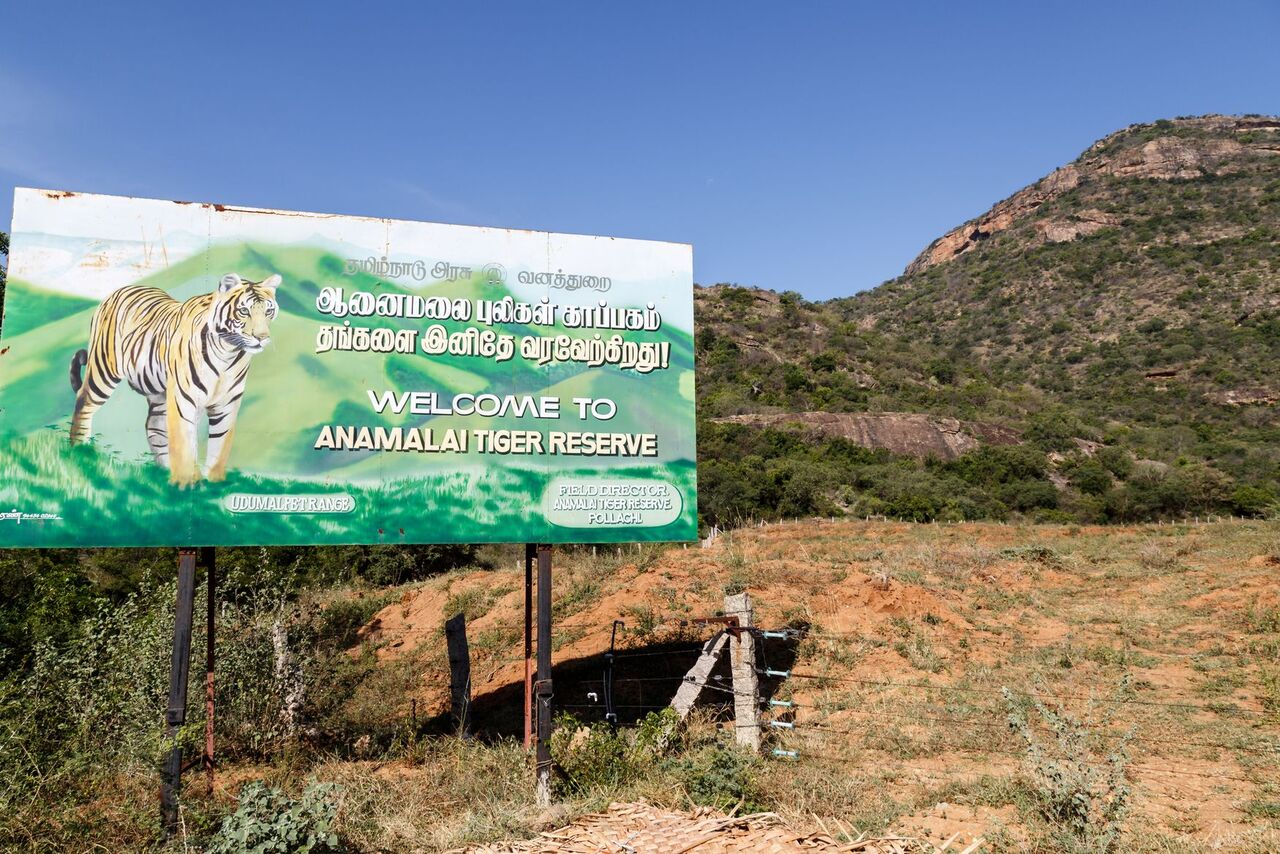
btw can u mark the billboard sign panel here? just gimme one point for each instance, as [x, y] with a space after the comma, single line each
[195, 374]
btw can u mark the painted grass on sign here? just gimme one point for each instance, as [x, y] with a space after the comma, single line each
[102, 500]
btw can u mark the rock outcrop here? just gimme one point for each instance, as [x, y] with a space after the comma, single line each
[1256, 396]
[1080, 225]
[1162, 158]
[905, 433]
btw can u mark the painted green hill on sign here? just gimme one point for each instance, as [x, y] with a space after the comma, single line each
[37, 394]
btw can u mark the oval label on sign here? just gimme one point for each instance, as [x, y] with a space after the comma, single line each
[239, 502]
[600, 502]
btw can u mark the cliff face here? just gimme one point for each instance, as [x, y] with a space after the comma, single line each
[908, 434]
[1210, 145]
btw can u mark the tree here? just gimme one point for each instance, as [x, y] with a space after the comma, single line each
[943, 370]
[1091, 478]
[1252, 501]
[1116, 460]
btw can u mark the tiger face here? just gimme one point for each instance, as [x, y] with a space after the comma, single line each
[243, 312]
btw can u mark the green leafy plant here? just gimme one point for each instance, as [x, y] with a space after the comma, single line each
[592, 756]
[719, 776]
[642, 621]
[918, 650]
[1082, 796]
[1270, 679]
[1042, 555]
[268, 821]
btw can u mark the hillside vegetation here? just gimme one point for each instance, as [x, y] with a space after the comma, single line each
[1123, 314]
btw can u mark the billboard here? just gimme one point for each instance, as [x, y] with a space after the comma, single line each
[177, 373]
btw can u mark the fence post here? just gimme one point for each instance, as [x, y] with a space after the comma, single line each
[746, 684]
[288, 675]
[455, 635]
[696, 679]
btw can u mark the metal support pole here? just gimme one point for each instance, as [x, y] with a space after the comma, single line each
[176, 712]
[610, 710]
[542, 687]
[208, 561]
[455, 633]
[530, 551]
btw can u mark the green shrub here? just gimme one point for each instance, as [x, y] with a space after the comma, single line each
[1029, 495]
[1115, 460]
[735, 296]
[720, 776]
[1042, 555]
[1081, 796]
[595, 756]
[1091, 478]
[1053, 429]
[268, 821]
[943, 370]
[1252, 501]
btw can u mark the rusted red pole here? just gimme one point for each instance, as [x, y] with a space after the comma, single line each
[542, 688]
[530, 552]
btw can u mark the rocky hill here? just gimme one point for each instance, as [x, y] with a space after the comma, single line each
[1129, 300]
[1186, 149]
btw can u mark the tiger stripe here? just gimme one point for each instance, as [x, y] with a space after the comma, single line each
[186, 358]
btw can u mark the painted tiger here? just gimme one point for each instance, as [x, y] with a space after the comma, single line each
[185, 358]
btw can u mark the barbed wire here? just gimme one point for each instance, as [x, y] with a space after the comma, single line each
[1031, 695]
[677, 678]
[681, 651]
[820, 728]
[801, 633]
[803, 728]
[601, 706]
[845, 762]
[1263, 749]
[1255, 749]
[1022, 755]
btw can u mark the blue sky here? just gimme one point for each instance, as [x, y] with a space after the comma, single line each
[814, 147]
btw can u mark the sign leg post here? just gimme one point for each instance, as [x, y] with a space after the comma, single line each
[530, 552]
[176, 712]
[543, 686]
[455, 635]
[208, 559]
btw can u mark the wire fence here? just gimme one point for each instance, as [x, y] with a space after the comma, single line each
[812, 730]
[825, 723]
[1123, 701]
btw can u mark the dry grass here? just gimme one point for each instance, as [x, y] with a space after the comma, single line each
[447, 794]
[951, 614]
[909, 732]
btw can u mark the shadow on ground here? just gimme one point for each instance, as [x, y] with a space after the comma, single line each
[645, 679]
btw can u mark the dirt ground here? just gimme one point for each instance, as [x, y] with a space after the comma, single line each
[1160, 641]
